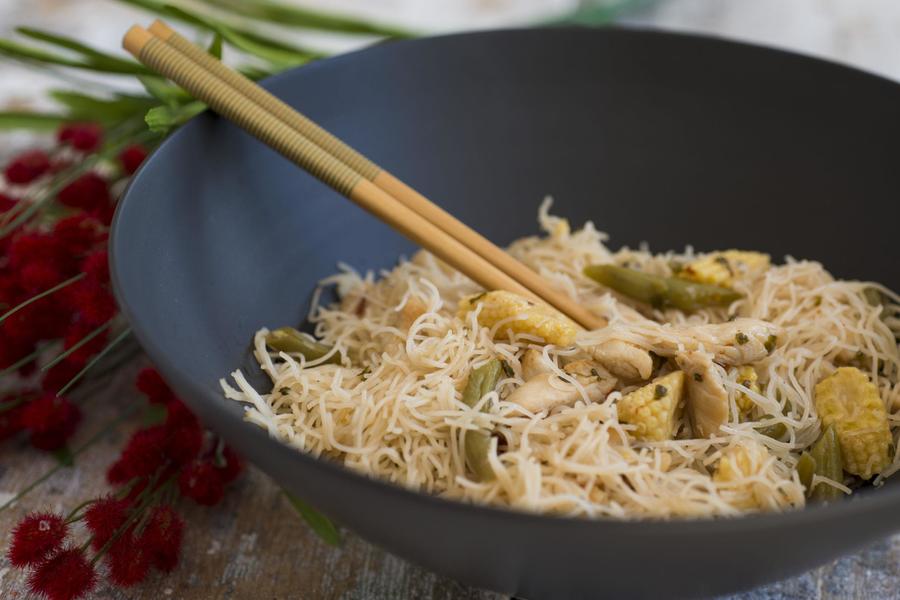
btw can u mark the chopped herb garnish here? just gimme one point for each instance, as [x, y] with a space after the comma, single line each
[660, 391]
[724, 262]
[746, 383]
[817, 301]
[507, 369]
[741, 338]
[770, 343]
[698, 377]
[284, 391]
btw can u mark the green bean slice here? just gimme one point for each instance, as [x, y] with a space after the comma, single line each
[482, 381]
[288, 339]
[661, 292]
[829, 462]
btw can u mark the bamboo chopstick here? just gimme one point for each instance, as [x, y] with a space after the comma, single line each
[380, 177]
[341, 167]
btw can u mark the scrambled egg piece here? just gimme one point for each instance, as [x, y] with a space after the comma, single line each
[850, 402]
[653, 408]
[532, 318]
[721, 268]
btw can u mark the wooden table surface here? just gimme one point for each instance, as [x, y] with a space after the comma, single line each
[254, 545]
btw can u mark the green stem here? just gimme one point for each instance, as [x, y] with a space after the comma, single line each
[20, 363]
[109, 426]
[43, 294]
[78, 345]
[94, 361]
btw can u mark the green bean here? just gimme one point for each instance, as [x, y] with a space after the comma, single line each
[482, 381]
[288, 339]
[661, 292]
[826, 453]
[806, 468]
[776, 431]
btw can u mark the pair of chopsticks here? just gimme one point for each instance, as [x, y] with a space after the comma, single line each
[344, 169]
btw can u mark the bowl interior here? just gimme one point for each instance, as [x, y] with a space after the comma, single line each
[673, 140]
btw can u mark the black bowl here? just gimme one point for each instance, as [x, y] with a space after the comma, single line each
[667, 138]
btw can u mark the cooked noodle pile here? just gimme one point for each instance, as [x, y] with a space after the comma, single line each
[394, 409]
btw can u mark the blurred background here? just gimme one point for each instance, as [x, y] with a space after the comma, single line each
[864, 33]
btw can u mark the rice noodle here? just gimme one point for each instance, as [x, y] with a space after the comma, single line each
[397, 413]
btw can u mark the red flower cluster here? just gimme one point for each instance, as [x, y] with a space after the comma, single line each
[132, 530]
[35, 258]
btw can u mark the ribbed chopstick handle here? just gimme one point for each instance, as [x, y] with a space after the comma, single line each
[254, 92]
[236, 107]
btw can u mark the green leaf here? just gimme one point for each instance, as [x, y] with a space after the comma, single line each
[164, 8]
[594, 15]
[278, 57]
[64, 456]
[31, 120]
[164, 91]
[154, 414]
[24, 52]
[93, 57]
[113, 110]
[283, 14]
[162, 119]
[215, 47]
[318, 522]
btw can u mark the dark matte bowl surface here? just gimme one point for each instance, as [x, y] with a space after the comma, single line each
[667, 138]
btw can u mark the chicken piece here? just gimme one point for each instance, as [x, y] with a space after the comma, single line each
[585, 370]
[535, 319]
[533, 364]
[739, 463]
[737, 342]
[707, 400]
[850, 402]
[623, 359]
[653, 408]
[722, 268]
[747, 377]
[411, 310]
[547, 391]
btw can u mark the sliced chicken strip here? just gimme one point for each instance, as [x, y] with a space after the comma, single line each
[547, 391]
[736, 343]
[533, 364]
[707, 400]
[623, 359]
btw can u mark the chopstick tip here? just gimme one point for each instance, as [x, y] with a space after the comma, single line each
[161, 30]
[135, 40]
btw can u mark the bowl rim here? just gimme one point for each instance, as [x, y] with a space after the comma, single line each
[856, 505]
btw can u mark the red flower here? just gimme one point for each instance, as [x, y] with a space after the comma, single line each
[96, 266]
[82, 136]
[89, 193]
[92, 301]
[36, 537]
[132, 157]
[60, 374]
[6, 202]
[10, 418]
[78, 233]
[202, 482]
[162, 537]
[184, 443]
[39, 275]
[29, 247]
[78, 331]
[51, 420]
[66, 576]
[104, 517]
[27, 167]
[152, 385]
[144, 453]
[128, 560]
[234, 465]
[178, 415]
